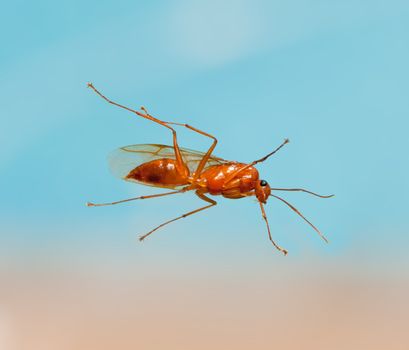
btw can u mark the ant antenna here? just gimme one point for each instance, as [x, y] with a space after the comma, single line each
[302, 190]
[305, 219]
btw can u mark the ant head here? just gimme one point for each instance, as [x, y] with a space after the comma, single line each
[262, 190]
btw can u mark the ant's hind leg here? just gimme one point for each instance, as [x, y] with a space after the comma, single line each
[181, 166]
[207, 155]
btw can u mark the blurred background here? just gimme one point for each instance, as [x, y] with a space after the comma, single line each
[331, 76]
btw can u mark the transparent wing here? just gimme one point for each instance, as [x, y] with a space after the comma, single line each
[124, 159]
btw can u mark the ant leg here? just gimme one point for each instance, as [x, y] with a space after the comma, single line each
[181, 166]
[207, 155]
[201, 196]
[271, 153]
[145, 110]
[263, 213]
[134, 199]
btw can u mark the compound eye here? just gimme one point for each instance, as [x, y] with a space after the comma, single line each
[263, 183]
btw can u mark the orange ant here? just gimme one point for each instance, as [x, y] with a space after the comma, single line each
[185, 170]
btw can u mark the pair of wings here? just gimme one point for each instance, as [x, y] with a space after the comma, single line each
[127, 158]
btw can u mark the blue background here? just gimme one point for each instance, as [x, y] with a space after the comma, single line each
[330, 76]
